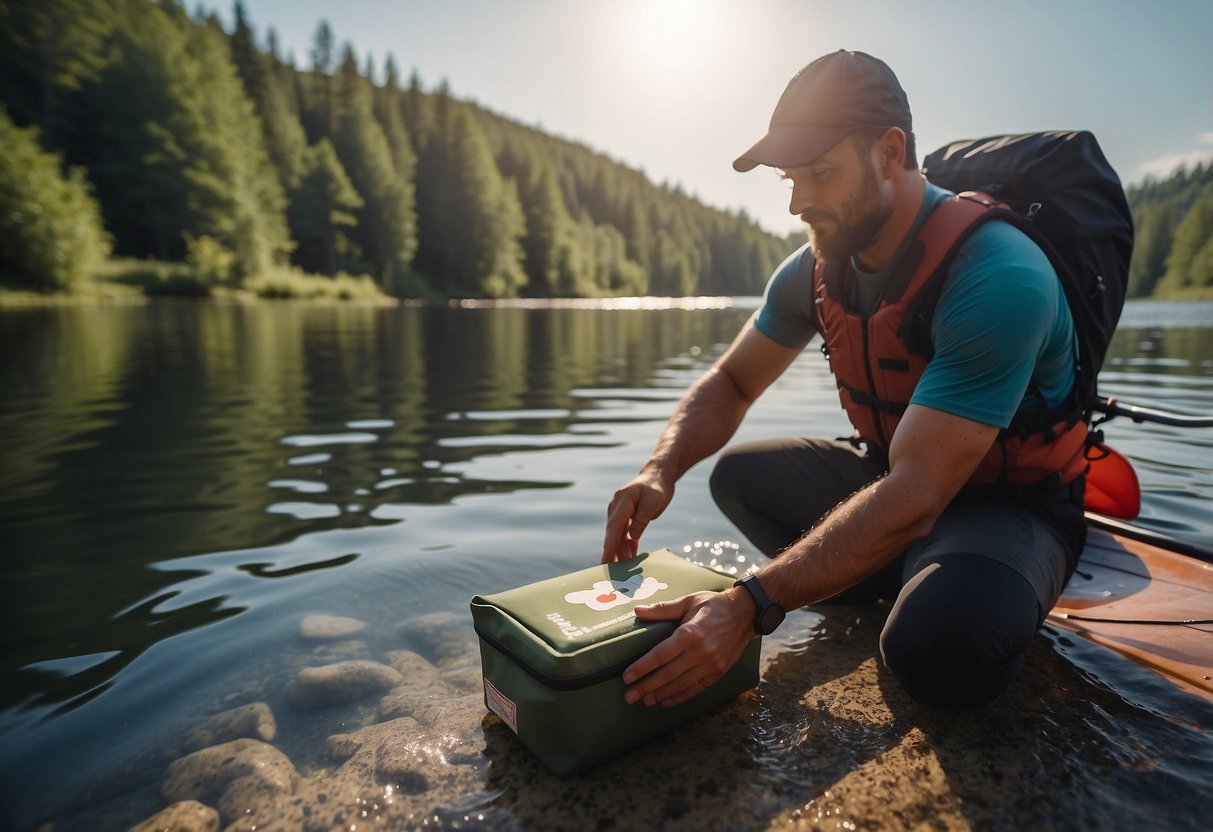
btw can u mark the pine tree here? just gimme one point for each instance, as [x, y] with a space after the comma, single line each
[471, 217]
[387, 222]
[284, 137]
[387, 105]
[1187, 263]
[48, 47]
[549, 228]
[1152, 242]
[322, 70]
[177, 147]
[49, 222]
[323, 211]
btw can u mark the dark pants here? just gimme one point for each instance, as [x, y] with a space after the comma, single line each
[969, 598]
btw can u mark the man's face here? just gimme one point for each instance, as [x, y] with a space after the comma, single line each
[838, 196]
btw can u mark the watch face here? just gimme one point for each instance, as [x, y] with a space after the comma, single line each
[772, 617]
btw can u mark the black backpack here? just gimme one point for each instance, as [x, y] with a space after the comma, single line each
[1066, 196]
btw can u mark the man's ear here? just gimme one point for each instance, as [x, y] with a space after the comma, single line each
[892, 147]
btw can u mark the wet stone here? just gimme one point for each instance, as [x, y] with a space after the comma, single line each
[255, 721]
[205, 774]
[343, 682]
[340, 651]
[401, 754]
[249, 781]
[329, 627]
[414, 667]
[185, 816]
[442, 637]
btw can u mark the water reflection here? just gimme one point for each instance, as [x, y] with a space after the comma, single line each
[178, 484]
[136, 436]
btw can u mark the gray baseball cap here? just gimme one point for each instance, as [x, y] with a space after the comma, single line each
[825, 102]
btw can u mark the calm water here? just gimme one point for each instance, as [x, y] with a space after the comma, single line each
[179, 484]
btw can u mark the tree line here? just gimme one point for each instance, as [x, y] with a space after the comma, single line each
[132, 128]
[1173, 248]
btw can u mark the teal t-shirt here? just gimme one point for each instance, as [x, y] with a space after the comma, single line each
[1002, 322]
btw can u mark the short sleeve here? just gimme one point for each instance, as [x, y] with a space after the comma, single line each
[786, 315]
[996, 323]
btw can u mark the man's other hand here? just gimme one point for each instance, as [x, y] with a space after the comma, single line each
[714, 631]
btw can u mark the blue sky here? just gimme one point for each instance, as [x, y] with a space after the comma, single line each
[679, 88]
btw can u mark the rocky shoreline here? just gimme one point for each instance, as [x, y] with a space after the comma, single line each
[828, 741]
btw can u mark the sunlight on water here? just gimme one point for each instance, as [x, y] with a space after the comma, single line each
[202, 544]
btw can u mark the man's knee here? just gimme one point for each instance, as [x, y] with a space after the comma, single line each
[958, 632]
[728, 479]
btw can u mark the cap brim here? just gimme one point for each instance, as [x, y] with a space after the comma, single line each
[789, 146]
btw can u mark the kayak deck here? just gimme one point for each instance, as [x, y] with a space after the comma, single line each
[1149, 603]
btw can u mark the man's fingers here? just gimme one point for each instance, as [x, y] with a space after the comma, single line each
[630, 511]
[689, 684]
[662, 674]
[616, 544]
[672, 610]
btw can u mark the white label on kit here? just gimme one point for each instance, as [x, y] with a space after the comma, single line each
[501, 705]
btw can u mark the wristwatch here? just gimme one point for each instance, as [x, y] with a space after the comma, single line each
[769, 615]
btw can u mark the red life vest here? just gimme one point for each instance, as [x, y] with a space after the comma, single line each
[878, 359]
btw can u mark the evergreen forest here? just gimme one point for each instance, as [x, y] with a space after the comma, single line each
[152, 146]
[136, 133]
[1173, 246]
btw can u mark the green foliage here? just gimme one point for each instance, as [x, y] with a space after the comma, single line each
[287, 283]
[155, 278]
[204, 147]
[47, 48]
[178, 148]
[271, 94]
[472, 220]
[50, 223]
[322, 211]
[386, 229]
[210, 261]
[1170, 250]
[1190, 263]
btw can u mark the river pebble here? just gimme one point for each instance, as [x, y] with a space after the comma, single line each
[334, 684]
[245, 778]
[255, 721]
[327, 627]
[185, 816]
[443, 637]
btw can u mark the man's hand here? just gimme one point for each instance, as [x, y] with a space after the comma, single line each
[714, 630]
[701, 423]
[632, 508]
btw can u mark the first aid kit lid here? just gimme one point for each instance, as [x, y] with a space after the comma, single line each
[584, 622]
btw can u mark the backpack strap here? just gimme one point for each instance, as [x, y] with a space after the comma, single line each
[951, 235]
[945, 232]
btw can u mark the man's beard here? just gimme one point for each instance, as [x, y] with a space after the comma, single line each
[855, 227]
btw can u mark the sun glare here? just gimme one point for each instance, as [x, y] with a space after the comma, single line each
[674, 37]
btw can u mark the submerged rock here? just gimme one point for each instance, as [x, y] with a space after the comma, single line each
[443, 637]
[247, 779]
[255, 721]
[329, 627]
[399, 753]
[417, 670]
[334, 684]
[206, 774]
[185, 816]
[331, 652]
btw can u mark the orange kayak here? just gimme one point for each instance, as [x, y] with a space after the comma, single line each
[1146, 596]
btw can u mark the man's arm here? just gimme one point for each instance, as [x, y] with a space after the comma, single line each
[702, 422]
[932, 455]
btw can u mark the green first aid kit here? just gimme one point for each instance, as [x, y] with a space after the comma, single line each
[553, 655]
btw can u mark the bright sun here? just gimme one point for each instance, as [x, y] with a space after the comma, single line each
[674, 37]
